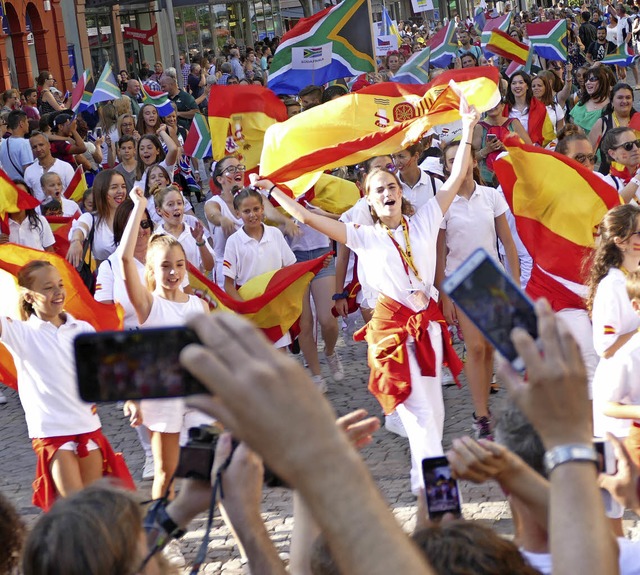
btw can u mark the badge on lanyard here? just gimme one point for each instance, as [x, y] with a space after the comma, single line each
[418, 299]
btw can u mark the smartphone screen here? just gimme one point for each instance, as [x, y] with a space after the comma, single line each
[491, 137]
[441, 490]
[606, 457]
[98, 132]
[137, 364]
[488, 296]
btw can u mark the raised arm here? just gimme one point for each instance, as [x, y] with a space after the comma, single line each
[449, 189]
[329, 227]
[172, 148]
[140, 296]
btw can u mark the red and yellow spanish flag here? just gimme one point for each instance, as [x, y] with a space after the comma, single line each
[558, 205]
[77, 186]
[60, 226]
[12, 200]
[79, 302]
[634, 123]
[272, 301]
[541, 128]
[238, 119]
[505, 45]
[378, 120]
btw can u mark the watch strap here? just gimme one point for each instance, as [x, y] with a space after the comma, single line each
[569, 453]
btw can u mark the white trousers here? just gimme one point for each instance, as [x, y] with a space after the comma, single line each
[579, 324]
[422, 413]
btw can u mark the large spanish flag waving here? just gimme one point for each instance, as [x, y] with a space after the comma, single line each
[505, 45]
[238, 119]
[12, 200]
[558, 205]
[79, 302]
[380, 119]
[272, 301]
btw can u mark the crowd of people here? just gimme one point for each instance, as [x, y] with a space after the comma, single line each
[150, 211]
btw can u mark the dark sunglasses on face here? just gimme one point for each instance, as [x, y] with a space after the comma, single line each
[146, 224]
[592, 79]
[627, 146]
[585, 158]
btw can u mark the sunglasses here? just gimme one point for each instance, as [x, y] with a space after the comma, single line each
[592, 79]
[627, 146]
[585, 158]
[146, 224]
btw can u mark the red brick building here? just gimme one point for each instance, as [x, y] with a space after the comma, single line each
[33, 39]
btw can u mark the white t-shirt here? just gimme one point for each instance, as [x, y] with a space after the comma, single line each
[219, 237]
[34, 172]
[103, 245]
[24, 234]
[110, 287]
[522, 116]
[556, 113]
[422, 192]
[246, 257]
[308, 239]
[470, 224]
[188, 241]
[46, 369]
[360, 213]
[384, 265]
[616, 380]
[612, 314]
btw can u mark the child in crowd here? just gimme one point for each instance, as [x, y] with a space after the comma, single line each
[65, 431]
[188, 230]
[254, 249]
[52, 187]
[616, 393]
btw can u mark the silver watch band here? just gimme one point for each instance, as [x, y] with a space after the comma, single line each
[568, 453]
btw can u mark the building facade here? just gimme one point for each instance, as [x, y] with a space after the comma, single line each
[33, 39]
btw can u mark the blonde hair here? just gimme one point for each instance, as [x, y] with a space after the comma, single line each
[158, 244]
[25, 281]
[633, 286]
[44, 178]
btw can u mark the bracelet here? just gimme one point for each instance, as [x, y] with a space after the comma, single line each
[271, 190]
[337, 296]
[75, 240]
[200, 244]
[569, 453]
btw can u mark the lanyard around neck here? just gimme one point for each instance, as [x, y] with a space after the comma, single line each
[405, 255]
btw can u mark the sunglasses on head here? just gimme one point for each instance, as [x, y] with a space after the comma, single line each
[627, 146]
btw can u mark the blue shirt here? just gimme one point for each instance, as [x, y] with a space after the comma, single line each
[15, 154]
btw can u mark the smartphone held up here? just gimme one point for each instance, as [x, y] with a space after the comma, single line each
[137, 364]
[493, 302]
[441, 490]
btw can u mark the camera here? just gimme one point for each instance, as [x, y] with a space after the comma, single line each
[196, 457]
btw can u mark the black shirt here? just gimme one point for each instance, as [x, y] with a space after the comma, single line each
[599, 51]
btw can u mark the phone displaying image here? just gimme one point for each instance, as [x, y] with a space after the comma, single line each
[493, 302]
[136, 364]
[98, 132]
[441, 490]
[491, 137]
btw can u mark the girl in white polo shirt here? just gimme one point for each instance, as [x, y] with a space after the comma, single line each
[407, 335]
[162, 302]
[65, 431]
[28, 228]
[476, 218]
[254, 249]
[188, 230]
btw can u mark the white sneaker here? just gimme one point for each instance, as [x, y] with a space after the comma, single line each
[393, 423]
[320, 383]
[173, 554]
[447, 378]
[148, 471]
[335, 365]
[3, 398]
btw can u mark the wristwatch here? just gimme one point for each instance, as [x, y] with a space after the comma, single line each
[569, 453]
[337, 296]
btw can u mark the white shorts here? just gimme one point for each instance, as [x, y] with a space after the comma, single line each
[163, 415]
[73, 446]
